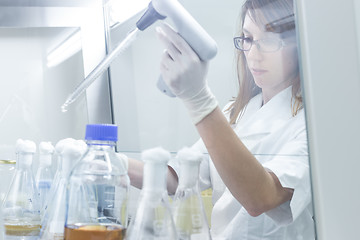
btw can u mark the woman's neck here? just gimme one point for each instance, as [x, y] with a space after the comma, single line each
[267, 95]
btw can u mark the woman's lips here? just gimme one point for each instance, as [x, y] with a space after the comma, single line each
[258, 71]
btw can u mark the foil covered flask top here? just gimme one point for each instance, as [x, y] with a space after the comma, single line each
[153, 219]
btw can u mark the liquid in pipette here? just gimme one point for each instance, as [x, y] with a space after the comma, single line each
[100, 68]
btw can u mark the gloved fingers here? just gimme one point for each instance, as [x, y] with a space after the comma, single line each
[163, 68]
[181, 58]
[168, 60]
[173, 52]
[177, 62]
[179, 43]
[167, 56]
[166, 74]
[170, 71]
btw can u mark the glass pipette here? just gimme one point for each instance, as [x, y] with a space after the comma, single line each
[99, 69]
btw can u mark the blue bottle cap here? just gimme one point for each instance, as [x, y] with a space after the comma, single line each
[101, 132]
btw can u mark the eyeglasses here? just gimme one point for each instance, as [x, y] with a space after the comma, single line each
[263, 45]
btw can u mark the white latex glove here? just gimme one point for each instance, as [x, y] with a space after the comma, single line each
[185, 74]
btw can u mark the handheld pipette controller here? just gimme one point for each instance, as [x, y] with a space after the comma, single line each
[187, 27]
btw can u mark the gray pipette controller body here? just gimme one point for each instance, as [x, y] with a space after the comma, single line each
[198, 39]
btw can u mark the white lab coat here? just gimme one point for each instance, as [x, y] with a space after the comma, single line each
[279, 142]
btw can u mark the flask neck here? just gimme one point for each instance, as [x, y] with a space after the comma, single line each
[155, 176]
[189, 175]
[24, 160]
[67, 164]
[69, 157]
[45, 160]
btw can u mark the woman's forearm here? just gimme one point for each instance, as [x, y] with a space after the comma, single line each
[136, 169]
[255, 188]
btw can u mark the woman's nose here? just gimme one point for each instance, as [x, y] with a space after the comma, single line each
[254, 53]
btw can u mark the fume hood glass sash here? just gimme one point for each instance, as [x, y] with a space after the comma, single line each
[88, 16]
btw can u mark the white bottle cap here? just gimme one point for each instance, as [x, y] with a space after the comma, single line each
[189, 160]
[155, 168]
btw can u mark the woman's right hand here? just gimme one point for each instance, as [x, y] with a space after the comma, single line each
[185, 74]
[181, 68]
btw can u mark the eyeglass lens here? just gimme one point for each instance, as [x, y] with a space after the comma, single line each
[264, 45]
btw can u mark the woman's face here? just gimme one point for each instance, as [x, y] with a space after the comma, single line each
[272, 71]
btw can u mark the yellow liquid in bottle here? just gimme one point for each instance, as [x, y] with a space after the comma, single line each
[94, 232]
[22, 230]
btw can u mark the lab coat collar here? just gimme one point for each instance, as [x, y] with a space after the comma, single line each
[265, 119]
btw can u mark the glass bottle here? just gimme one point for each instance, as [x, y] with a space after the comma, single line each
[69, 151]
[153, 219]
[44, 175]
[188, 209]
[21, 208]
[98, 189]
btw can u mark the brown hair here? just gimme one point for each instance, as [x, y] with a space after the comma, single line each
[247, 87]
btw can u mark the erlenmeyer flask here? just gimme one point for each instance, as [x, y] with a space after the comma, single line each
[21, 208]
[188, 209]
[44, 175]
[98, 189]
[69, 151]
[2, 230]
[59, 148]
[153, 219]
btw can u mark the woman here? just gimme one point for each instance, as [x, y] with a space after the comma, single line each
[258, 166]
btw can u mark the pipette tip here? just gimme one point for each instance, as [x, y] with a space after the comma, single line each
[99, 69]
[64, 108]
